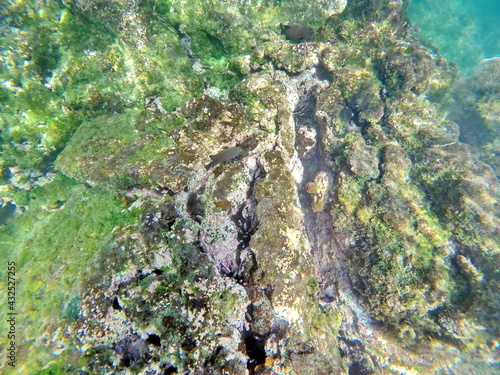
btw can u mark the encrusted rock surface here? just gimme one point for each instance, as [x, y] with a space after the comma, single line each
[356, 234]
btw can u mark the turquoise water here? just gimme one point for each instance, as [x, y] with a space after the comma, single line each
[464, 31]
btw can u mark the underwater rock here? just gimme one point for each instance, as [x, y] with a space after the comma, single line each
[306, 140]
[318, 189]
[406, 68]
[356, 235]
[27, 180]
[363, 245]
[286, 56]
[362, 159]
[132, 348]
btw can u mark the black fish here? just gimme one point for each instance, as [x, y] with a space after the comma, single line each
[297, 33]
[225, 156]
[7, 211]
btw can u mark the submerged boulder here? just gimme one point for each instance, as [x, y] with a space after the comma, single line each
[348, 230]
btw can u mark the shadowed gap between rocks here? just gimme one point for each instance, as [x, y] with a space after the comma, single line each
[243, 265]
[317, 224]
[327, 251]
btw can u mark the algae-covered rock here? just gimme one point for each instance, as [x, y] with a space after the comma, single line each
[356, 231]
[318, 190]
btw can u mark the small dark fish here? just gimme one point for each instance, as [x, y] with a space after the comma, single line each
[225, 156]
[297, 33]
[7, 211]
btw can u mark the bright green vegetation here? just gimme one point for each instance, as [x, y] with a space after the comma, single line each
[117, 148]
[107, 118]
[62, 70]
[52, 243]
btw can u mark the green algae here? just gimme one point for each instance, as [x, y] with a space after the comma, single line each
[388, 201]
[117, 149]
[78, 75]
[399, 244]
[400, 228]
[52, 248]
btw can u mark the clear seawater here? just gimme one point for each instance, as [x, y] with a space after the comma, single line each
[464, 31]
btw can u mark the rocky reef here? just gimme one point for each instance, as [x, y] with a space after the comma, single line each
[356, 234]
